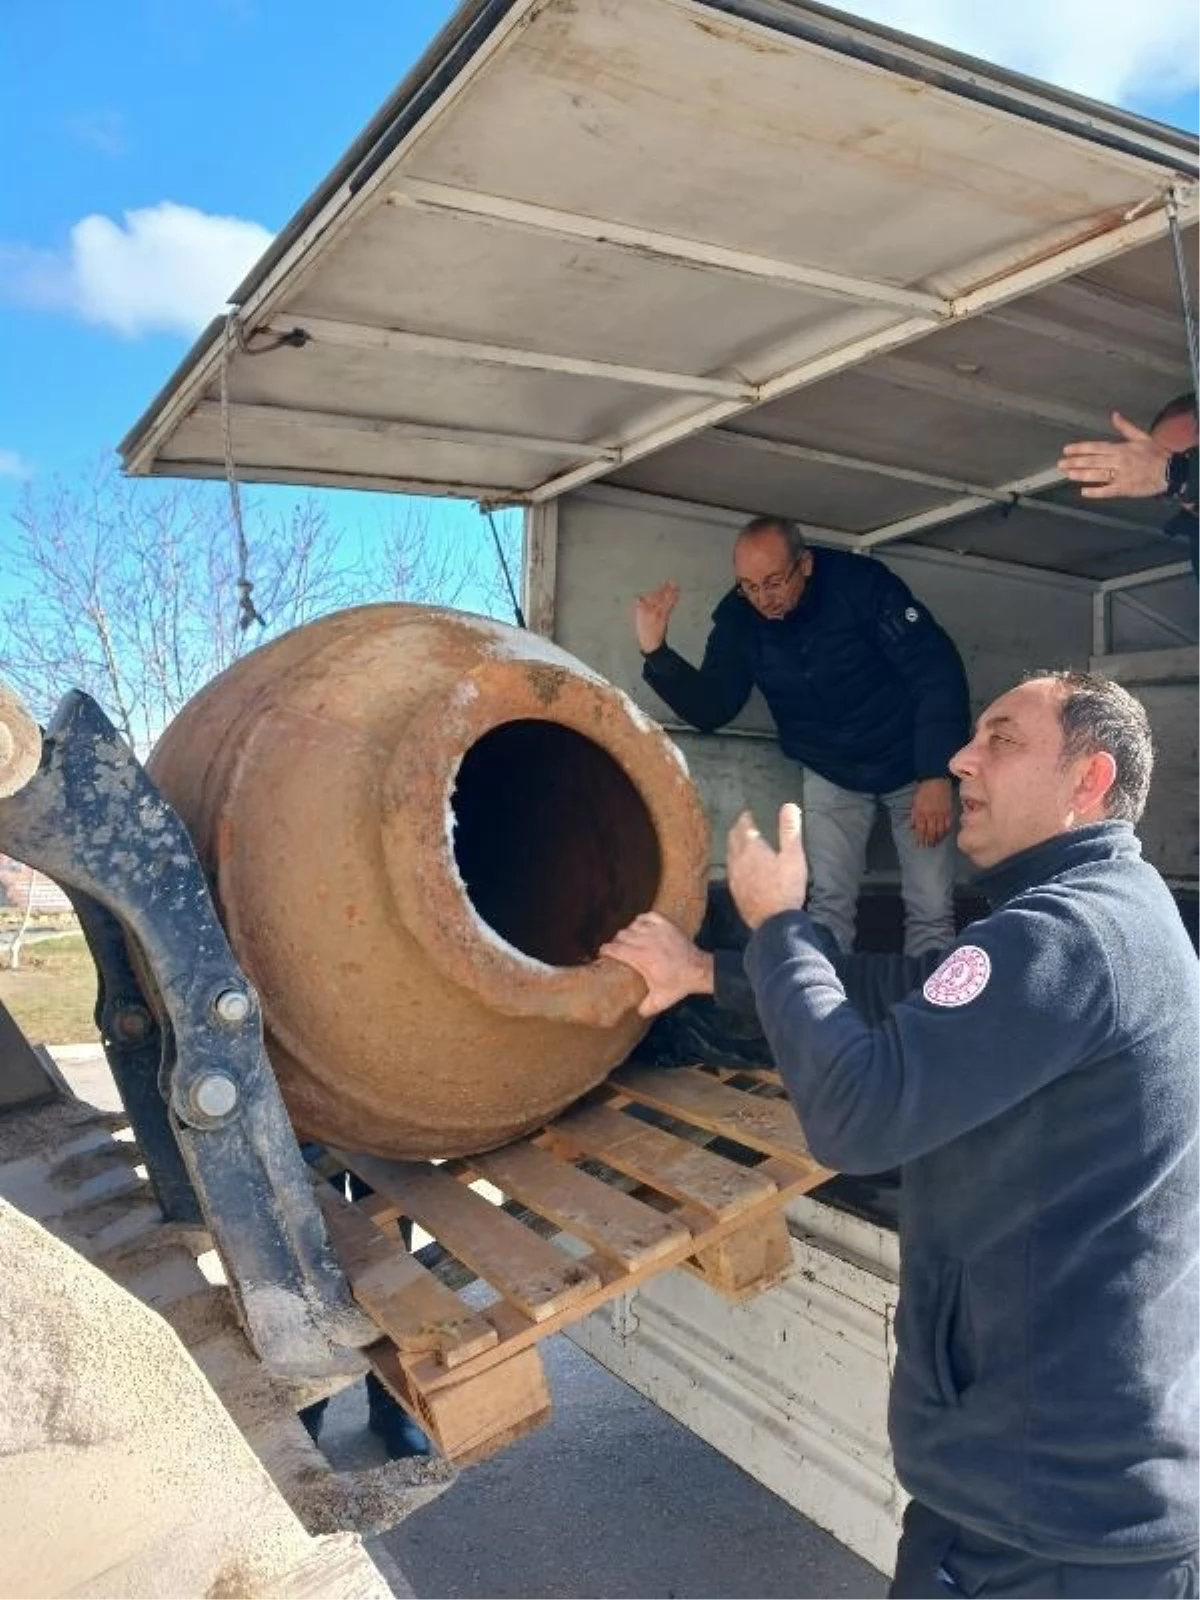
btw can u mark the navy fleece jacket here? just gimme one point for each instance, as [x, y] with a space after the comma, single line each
[1040, 1092]
[864, 686]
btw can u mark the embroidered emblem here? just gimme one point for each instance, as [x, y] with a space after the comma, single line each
[963, 975]
[912, 614]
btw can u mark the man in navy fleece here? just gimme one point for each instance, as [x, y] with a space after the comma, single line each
[1039, 1091]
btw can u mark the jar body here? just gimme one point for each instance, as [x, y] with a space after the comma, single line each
[418, 827]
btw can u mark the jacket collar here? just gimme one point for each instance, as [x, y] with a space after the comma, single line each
[1096, 841]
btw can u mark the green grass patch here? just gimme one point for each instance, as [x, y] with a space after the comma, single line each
[54, 993]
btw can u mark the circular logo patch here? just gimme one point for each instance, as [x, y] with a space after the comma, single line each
[911, 614]
[963, 975]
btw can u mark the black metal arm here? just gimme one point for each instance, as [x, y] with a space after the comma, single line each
[188, 1058]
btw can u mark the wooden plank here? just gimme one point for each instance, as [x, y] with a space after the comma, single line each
[536, 1277]
[607, 1218]
[472, 1417]
[793, 1176]
[763, 1075]
[404, 1301]
[747, 1262]
[686, 1172]
[517, 1332]
[762, 1123]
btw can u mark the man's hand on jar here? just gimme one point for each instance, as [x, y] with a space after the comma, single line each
[666, 960]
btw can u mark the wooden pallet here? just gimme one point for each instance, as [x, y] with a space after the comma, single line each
[620, 1188]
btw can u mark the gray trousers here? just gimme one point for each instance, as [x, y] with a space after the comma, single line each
[837, 825]
[939, 1559]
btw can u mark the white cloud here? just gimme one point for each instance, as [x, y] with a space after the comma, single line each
[14, 465]
[1108, 49]
[164, 268]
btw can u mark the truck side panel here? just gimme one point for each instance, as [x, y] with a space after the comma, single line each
[609, 545]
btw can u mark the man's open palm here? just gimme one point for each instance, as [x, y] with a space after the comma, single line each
[652, 613]
[764, 881]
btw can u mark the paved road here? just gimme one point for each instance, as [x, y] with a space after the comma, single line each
[610, 1498]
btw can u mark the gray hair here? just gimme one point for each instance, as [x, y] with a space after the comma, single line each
[1097, 714]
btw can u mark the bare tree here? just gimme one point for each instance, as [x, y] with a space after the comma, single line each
[500, 568]
[456, 565]
[13, 948]
[128, 590]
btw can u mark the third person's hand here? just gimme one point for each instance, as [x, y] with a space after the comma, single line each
[1130, 468]
[932, 810]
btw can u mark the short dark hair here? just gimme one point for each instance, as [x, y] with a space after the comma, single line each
[792, 533]
[1097, 714]
[1183, 405]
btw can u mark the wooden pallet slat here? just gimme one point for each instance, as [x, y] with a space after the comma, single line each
[527, 1270]
[762, 1123]
[747, 1262]
[407, 1303]
[479, 1415]
[686, 1172]
[472, 1376]
[606, 1218]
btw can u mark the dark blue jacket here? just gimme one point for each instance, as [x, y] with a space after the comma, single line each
[1185, 526]
[864, 686]
[1043, 1105]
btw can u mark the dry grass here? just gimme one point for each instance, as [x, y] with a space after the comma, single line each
[53, 994]
[11, 919]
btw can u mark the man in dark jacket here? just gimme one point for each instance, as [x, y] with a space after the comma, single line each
[868, 695]
[1161, 461]
[1039, 1091]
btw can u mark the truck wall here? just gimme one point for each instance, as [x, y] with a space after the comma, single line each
[1145, 629]
[607, 545]
[1169, 828]
[792, 1384]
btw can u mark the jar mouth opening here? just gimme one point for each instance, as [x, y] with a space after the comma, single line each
[528, 816]
[554, 844]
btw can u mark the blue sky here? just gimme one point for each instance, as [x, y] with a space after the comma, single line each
[237, 109]
[233, 108]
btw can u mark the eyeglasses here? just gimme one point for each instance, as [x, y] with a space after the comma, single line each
[775, 584]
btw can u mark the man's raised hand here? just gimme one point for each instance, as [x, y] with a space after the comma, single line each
[652, 613]
[764, 881]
